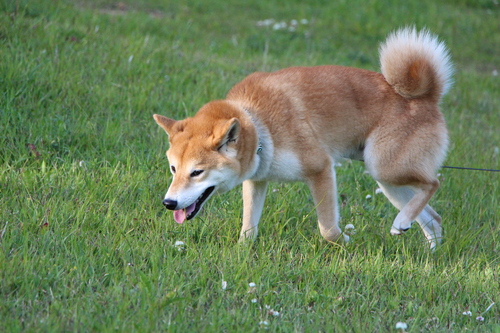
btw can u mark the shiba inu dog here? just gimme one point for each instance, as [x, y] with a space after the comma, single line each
[294, 124]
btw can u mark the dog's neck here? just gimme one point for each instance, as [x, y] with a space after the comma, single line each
[264, 152]
[259, 144]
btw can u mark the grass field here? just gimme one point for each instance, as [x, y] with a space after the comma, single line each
[85, 244]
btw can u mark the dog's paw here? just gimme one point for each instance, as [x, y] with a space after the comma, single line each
[395, 231]
[347, 239]
[248, 236]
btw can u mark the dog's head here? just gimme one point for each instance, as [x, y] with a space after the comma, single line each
[203, 157]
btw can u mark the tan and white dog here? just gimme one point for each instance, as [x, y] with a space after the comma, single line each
[294, 124]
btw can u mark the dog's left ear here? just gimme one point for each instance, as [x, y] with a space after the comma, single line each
[227, 133]
[165, 123]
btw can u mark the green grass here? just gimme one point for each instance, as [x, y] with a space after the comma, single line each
[85, 244]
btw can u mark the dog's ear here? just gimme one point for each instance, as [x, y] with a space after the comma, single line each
[165, 123]
[227, 133]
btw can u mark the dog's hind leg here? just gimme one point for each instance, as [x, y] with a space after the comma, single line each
[254, 195]
[324, 192]
[412, 203]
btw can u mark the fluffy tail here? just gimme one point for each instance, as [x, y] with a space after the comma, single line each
[416, 64]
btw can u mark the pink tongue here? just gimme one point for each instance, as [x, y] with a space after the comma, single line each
[181, 214]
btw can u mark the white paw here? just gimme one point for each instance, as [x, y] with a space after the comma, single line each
[248, 235]
[395, 231]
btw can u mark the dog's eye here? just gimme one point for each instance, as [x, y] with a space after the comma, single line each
[172, 168]
[196, 173]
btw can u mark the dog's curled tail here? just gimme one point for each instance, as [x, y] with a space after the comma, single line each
[416, 64]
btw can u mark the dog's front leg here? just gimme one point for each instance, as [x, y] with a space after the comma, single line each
[254, 195]
[324, 191]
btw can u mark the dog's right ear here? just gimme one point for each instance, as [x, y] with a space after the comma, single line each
[166, 123]
[227, 133]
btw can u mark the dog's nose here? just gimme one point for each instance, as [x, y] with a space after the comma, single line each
[170, 204]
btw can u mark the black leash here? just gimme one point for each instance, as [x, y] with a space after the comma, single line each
[461, 168]
[474, 169]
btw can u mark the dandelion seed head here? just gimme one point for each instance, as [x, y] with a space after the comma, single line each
[252, 285]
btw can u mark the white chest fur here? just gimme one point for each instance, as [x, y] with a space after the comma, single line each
[285, 166]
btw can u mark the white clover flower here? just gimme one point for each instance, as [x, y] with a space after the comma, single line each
[401, 326]
[254, 300]
[378, 191]
[467, 313]
[224, 285]
[279, 25]
[253, 288]
[480, 318]
[274, 313]
[349, 230]
[180, 245]
[368, 197]
[264, 323]
[265, 23]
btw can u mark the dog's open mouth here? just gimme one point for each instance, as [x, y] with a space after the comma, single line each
[190, 211]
